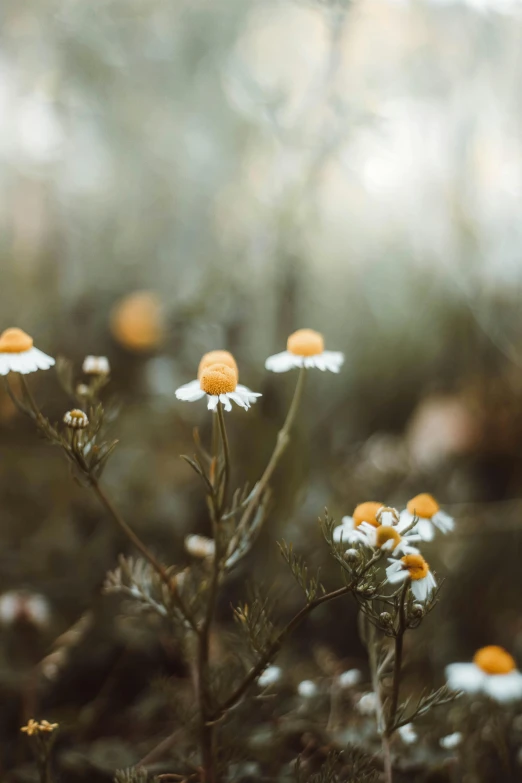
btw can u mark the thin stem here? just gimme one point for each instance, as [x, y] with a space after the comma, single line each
[226, 454]
[267, 656]
[280, 446]
[399, 641]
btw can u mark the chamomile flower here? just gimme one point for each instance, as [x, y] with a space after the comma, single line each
[415, 568]
[429, 514]
[408, 734]
[18, 354]
[451, 741]
[364, 512]
[219, 383]
[305, 348]
[492, 672]
[96, 365]
[387, 538]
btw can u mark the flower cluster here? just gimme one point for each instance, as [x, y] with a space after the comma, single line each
[34, 728]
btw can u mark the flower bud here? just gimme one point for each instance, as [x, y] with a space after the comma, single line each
[352, 555]
[386, 619]
[76, 419]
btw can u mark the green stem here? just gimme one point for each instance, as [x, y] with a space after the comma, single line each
[397, 666]
[226, 455]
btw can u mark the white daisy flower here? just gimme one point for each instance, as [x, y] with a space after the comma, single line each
[492, 672]
[18, 354]
[367, 704]
[270, 676]
[96, 365]
[429, 515]
[305, 348]
[200, 546]
[350, 678]
[417, 570]
[408, 734]
[387, 538]
[219, 383]
[307, 689]
[451, 741]
[364, 512]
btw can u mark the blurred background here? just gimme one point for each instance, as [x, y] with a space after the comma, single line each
[182, 176]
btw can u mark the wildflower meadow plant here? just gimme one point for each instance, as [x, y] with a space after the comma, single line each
[376, 551]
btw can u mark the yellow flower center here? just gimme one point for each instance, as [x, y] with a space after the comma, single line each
[424, 506]
[366, 512]
[494, 660]
[15, 341]
[416, 566]
[217, 357]
[387, 533]
[305, 342]
[218, 379]
[137, 321]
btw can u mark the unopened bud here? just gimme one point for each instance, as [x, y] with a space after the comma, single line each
[76, 419]
[417, 610]
[386, 619]
[352, 555]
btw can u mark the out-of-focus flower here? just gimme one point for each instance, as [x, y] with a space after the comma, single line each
[451, 740]
[493, 672]
[307, 689]
[441, 427]
[270, 676]
[96, 365]
[137, 321]
[219, 383]
[200, 546]
[31, 727]
[305, 348]
[76, 419]
[46, 726]
[349, 678]
[18, 354]
[387, 538]
[367, 704]
[364, 512]
[429, 514]
[21, 607]
[417, 570]
[408, 734]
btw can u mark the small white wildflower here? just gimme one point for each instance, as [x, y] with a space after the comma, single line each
[367, 704]
[493, 672]
[270, 676]
[17, 606]
[387, 538]
[307, 689]
[350, 678]
[200, 546]
[417, 569]
[18, 354]
[218, 382]
[347, 531]
[408, 734]
[451, 741]
[76, 419]
[305, 348]
[96, 365]
[425, 508]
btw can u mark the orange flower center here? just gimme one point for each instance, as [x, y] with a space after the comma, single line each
[217, 357]
[218, 379]
[494, 660]
[367, 512]
[15, 341]
[416, 565]
[305, 342]
[137, 321]
[424, 506]
[387, 533]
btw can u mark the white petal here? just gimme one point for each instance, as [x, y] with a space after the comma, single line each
[420, 589]
[333, 360]
[504, 687]
[239, 399]
[396, 573]
[43, 362]
[465, 677]
[405, 520]
[190, 392]
[213, 400]
[318, 361]
[247, 393]
[4, 364]
[425, 529]
[282, 362]
[443, 521]
[223, 398]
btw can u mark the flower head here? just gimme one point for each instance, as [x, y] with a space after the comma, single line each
[305, 348]
[270, 676]
[219, 381]
[364, 512]
[408, 734]
[493, 672]
[415, 568]
[18, 354]
[137, 321]
[32, 727]
[388, 538]
[96, 365]
[47, 727]
[76, 419]
[217, 357]
[200, 546]
[427, 511]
